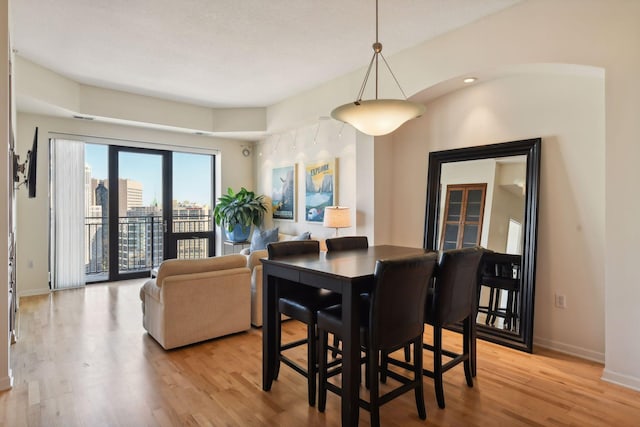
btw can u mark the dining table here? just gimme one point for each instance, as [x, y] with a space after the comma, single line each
[348, 273]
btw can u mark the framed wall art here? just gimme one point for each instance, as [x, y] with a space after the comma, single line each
[283, 193]
[320, 185]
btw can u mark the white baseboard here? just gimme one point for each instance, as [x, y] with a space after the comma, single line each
[6, 383]
[621, 379]
[607, 375]
[580, 352]
[33, 292]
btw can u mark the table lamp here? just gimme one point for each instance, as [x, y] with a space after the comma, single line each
[337, 217]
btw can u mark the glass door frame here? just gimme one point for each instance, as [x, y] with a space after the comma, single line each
[171, 236]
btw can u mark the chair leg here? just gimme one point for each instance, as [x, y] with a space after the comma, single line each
[466, 345]
[312, 357]
[367, 371]
[487, 320]
[417, 371]
[279, 344]
[336, 343]
[473, 348]
[384, 366]
[374, 388]
[437, 365]
[322, 370]
[407, 353]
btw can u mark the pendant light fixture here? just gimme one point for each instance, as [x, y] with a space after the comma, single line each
[377, 117]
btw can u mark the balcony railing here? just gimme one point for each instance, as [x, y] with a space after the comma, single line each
[140, 242]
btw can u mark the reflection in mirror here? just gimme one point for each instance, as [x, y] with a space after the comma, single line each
[488, 196]
[482, 203]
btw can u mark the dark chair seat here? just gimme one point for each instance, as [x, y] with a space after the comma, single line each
[303, 306]
[332, 318]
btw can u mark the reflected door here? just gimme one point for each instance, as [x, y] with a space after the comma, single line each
[464, 208]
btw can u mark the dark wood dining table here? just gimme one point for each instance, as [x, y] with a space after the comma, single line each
[348, 273]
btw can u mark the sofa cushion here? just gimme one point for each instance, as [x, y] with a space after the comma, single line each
[173, 267]
[253, 259]
[304, 236]
[261, 238]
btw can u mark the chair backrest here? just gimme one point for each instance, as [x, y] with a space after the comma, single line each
[287, 248]
[347, 243]
[501, 265]
[398, 299]
[455, 287]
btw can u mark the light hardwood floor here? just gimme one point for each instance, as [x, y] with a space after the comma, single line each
[83, 359]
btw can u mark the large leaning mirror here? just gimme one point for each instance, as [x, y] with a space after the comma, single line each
[488, 196]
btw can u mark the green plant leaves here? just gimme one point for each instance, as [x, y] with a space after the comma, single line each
[243, 207]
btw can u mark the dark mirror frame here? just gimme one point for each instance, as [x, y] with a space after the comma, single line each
[531, 148]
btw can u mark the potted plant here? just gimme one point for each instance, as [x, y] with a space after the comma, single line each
[237, 211]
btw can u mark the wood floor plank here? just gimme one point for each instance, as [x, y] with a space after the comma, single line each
[83, 359]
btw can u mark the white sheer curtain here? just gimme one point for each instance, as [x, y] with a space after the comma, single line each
[68, 222]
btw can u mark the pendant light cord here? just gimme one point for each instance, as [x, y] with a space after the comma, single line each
[377, 51]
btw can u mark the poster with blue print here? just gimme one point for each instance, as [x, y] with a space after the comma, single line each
[320, 182]
[283, 193]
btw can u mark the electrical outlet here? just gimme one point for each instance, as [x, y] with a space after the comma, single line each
[561, 301]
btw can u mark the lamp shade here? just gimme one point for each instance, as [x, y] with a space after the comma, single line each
[377, 117]
[337, 217]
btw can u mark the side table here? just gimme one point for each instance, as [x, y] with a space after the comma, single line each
[229, 247]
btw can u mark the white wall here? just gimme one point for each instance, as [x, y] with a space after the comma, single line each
[321, 141]
[235, 171]
[46, 90]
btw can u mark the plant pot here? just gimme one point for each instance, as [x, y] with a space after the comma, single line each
[240, 233]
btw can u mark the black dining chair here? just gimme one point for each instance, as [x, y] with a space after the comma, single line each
[451, 300]
[347, 243]
[500, 273]
[393, 317]
[300, 303]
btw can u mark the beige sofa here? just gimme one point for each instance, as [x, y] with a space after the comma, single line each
[195, 300]
[254, 264]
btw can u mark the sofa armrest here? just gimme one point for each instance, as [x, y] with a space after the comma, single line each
[256, 296]
[152, 289]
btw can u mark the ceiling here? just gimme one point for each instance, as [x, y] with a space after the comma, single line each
[224, 53]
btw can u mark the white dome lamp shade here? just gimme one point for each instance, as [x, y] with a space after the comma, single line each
[377, 117]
